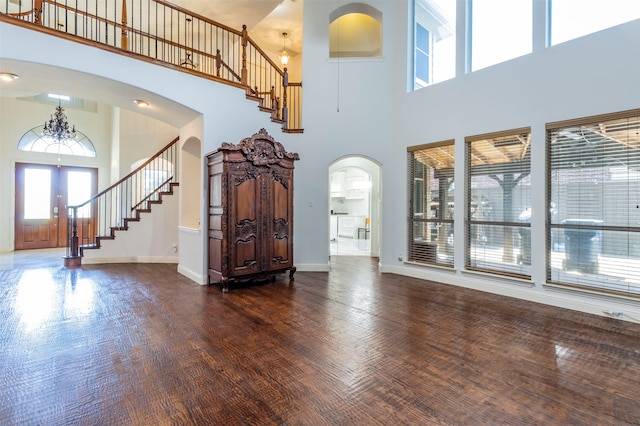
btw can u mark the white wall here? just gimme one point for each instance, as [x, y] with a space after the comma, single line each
[140, 138]
[347, 111]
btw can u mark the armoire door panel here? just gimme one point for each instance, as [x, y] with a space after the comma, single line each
[244, 198]
[215, 254]
[245, 257]
[280, 201]
[280, 252]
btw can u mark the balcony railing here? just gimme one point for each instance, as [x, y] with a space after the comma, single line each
[166, 34]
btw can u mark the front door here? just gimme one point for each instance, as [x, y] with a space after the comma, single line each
[42, 194]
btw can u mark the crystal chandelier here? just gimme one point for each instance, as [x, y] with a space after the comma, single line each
[58, 127]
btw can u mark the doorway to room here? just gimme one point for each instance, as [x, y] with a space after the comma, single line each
[354, 207]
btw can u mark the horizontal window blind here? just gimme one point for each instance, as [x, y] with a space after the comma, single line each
[593, 188]
[431, 203]
[498, 207]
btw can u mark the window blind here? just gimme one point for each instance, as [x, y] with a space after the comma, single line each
[431, 203]
[498, 208]
[593, 189]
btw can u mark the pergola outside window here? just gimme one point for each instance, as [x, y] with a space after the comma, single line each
[498, 203]
[593, 190]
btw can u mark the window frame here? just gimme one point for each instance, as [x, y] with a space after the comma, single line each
[436, 251]
[585, 276]
[472, 224]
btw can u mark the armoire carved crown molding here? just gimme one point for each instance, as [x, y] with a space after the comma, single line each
[262, 150]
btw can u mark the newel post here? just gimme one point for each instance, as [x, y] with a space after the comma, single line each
[285, 109]
[218, 62]
[124, 37]
[37, 11]
[73, 240]
[72, 259]
[245, 41]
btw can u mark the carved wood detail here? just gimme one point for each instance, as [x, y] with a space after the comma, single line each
[251, 227]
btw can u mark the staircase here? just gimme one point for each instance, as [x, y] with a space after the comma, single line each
[164, 34]
[113, 209]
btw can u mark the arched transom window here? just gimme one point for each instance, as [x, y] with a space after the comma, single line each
[34, 140]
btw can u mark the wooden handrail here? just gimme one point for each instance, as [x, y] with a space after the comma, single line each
[152, 193]
[142, 166]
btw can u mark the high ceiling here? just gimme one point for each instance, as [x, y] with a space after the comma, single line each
[266, 20]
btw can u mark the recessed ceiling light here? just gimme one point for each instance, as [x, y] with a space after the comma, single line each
[141, 103]
[7, 76]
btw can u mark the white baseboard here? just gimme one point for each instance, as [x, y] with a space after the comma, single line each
[568, 299]
[311, 267]
[192, 275]
[128, 259]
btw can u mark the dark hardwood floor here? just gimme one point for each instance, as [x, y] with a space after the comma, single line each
[139, 344]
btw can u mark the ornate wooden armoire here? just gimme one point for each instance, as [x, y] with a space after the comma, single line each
[250, 227]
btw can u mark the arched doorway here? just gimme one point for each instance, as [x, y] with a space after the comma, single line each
[354, 207]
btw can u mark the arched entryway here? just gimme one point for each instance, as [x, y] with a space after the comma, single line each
[354, 207]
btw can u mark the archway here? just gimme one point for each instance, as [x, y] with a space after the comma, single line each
[354, 207]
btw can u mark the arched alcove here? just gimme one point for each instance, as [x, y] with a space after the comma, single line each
[355, 31]
[190, 183]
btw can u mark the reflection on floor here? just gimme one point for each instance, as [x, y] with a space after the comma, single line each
[29, 259]
[350, 247]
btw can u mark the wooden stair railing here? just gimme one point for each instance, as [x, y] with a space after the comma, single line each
[111, 210]
[168, 35]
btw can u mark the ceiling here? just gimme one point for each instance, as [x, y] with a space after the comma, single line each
[266, 20]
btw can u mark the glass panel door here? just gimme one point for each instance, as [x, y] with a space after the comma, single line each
[36, 220]
[42, 194]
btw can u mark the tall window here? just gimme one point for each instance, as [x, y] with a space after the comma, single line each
[500, 30]
[594, 202]
[499, 203]
[571, 19]
[431, 203]
[434, 41]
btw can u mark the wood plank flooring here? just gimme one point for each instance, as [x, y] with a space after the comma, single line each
[139, 344]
